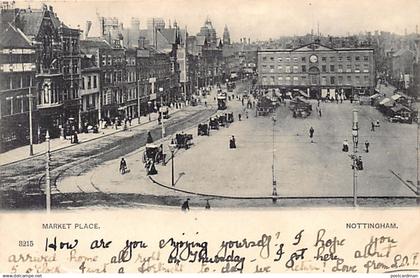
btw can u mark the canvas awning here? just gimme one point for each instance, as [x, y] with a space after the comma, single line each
[375, 96]
[385, 101]
[395, 97]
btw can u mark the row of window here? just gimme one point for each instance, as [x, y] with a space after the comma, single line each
[324, 68]
[89, 102]
[89, 82]
[14, 105]
[323, 58]
[16, 58]
[74, 67]
[112, 60]
[15, 81]
[112, 77]
[70, 45]
[324, 80]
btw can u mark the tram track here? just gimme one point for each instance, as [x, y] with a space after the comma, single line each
[78, 167]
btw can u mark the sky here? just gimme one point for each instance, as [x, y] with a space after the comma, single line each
[255, 19]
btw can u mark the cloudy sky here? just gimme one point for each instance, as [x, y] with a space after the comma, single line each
[257, 19]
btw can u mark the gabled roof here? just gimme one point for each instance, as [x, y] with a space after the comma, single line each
[201, 40]
[169, 34]
[93, 43]
[403, 51]
[13, 37]
[31, 22]
[312, 47]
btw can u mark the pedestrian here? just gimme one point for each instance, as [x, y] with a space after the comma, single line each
[359, 163]
[185, 206]
[345, 146]
[152, 169]
[123, 166]
[149, 138]
[311, 133]
[320, 113]
[239, 116]
[75, 138]
[232, 142]
[372, 126]
[367, 146]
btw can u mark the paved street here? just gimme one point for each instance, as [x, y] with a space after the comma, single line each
[302, 169]
[22, 181]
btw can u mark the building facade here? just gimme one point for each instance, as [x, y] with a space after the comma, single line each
[318, 69]
[90, 91]
[17, 89]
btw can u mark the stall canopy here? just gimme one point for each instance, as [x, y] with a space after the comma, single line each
[395, 97]
[400, 108]
[375, 96]
[387, 102]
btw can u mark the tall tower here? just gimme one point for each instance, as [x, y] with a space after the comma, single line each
[226, 36]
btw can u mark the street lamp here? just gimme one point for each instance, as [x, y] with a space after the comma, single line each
[138, 100]
[273, 164]
[355, 134]
[31, 148]
[149, 105]
[172, 147]
[47, 175]
[161, 113]
[418, 157]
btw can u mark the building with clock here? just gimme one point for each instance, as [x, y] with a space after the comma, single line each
[317, 69]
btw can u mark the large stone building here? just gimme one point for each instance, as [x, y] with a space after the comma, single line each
[318, 69]
[58, 64]
[402, 63]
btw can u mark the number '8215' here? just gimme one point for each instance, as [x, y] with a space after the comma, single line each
[26, 243]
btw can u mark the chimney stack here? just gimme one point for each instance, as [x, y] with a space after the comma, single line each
[87, 28]
[142, 42]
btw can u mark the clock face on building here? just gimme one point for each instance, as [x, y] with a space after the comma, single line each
[313, 58]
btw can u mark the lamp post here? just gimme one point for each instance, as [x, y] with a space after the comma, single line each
[274, 159]
[47, 175]
[138, 100]
[355, 134]
[149, 106]
[31, 147]
[161, 113]
[172, 147]
[418, 158]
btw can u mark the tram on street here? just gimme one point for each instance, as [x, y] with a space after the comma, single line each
[221, 101]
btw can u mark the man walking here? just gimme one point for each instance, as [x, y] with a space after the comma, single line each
[311, 133]
[372, 127]
[123, 166]
[185, 206]
[367, 146]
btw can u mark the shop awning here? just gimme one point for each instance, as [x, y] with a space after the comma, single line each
[395, 97]
[375, 96]
[400, 107]
[385, 101]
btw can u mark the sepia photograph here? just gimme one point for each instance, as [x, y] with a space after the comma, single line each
[186, 107]
[107, 105]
